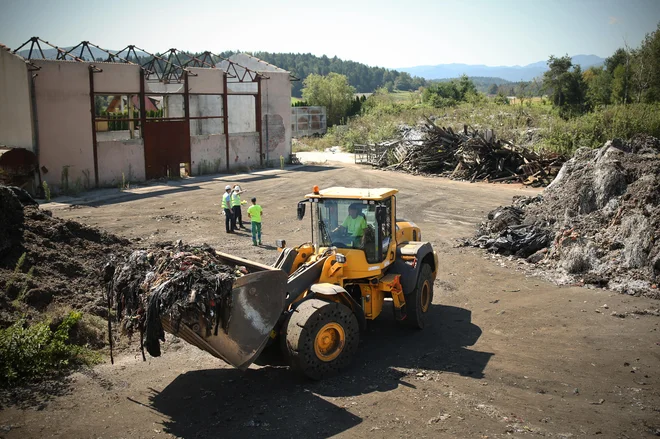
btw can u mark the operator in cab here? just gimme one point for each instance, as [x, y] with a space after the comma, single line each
[354, 225]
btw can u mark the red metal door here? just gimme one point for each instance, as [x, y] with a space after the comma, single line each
[166, 146]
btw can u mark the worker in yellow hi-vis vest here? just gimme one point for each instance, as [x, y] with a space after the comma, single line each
[230, 221]
[236, 207]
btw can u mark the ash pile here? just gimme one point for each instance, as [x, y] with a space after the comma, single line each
[184, 284]
[46, 262]
[469, 154]
[597, 223]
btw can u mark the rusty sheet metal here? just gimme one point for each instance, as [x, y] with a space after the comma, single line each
[166, 146]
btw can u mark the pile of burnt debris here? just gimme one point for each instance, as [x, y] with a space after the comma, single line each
[469, 154]
[180, 283]
[597, 223]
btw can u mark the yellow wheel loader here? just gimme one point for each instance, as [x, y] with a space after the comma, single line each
[317, 297]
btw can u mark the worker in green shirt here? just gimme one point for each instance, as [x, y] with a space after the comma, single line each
[254, 213]
[354, 225]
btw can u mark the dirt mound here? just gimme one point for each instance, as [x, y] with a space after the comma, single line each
[597, 223]
[47, 262]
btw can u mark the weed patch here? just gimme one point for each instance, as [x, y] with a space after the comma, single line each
[35, 351]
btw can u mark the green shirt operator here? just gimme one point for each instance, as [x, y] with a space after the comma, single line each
[354, 225]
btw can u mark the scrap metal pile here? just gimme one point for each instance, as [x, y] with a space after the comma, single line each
[597, 223]
[180, 283]
[472, 155]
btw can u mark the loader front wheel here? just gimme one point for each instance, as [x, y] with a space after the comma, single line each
[419, 301]
[321, 338]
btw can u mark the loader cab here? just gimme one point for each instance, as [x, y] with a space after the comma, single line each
[360, 223]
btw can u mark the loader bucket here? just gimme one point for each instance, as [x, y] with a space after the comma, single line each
[257, 302]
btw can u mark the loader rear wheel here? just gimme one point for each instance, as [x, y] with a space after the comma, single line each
[321, 338]
[419, 301]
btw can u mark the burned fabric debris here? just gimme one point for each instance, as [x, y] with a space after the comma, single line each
[184, 284]
[597, 223]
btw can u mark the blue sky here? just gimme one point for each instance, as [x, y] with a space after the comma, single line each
[385, 33]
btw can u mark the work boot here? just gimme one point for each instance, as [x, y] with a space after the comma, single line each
[254, 243]
[259, 242]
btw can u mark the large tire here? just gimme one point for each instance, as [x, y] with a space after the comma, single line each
[321, 338]
[419, 301]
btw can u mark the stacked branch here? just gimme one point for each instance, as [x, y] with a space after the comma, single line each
[473, 155]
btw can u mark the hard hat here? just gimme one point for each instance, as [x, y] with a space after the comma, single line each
[227, 188]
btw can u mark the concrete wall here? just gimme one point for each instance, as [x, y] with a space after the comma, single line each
[208, 154]
[15, 103]
[243, 150]
[206, 105]
[117, 78]
[207, 81]
[117, 157]
[64, 121]
[276, 111]
[241, 114]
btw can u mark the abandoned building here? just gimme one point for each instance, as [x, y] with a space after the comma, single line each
[99, 123]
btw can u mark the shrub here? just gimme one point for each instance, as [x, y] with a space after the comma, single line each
[36, 351]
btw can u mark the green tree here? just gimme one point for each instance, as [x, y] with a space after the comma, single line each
[566, 85]
[620, 81]
[599, 86]
[646, 68]
[492, 90]
[332, 92]
[556, 78]
[403, 82]
[466, 87]
[448, 93]
[522, 92]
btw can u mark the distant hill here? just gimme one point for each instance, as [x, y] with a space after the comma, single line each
[510, 73]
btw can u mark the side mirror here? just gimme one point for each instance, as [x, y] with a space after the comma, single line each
[381, 214]
[301, 210]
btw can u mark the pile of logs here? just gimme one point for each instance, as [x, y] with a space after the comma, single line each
[474, 156]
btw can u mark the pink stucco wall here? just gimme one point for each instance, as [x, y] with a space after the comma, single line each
[15, 105]
[206, 81]
[64, 121]
[120, 157]
[276, 110]
[117, 78]
[243, 150]
[208, 154]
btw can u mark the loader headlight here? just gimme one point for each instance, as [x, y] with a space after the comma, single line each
[280, 243]
[340, 258]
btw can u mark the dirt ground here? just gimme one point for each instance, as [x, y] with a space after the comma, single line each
[503, 355]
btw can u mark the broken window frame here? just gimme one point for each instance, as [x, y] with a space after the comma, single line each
[220, 117]
[134, 133]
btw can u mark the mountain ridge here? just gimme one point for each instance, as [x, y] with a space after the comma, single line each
[510, 73]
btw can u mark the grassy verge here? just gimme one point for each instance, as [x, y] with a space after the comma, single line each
[533, 124]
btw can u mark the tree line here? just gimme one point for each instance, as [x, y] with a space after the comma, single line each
[628, 76]
[363, 78]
